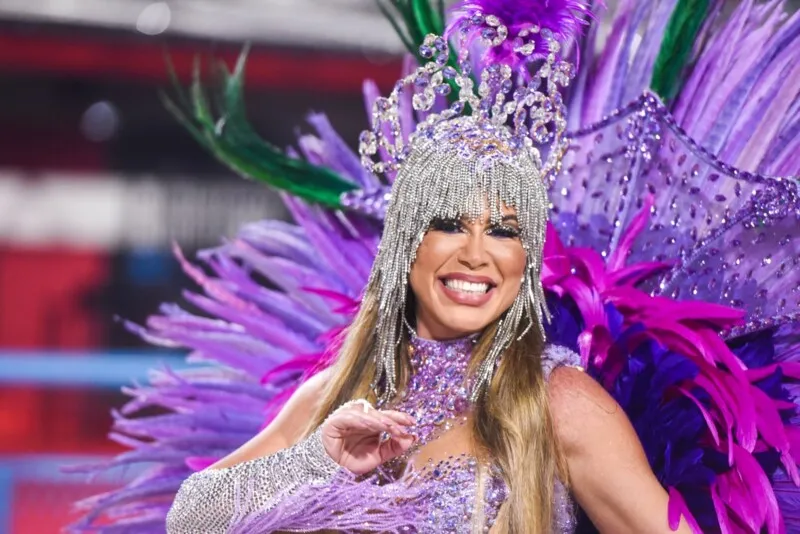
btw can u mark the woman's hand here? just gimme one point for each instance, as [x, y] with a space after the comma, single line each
[360, 438]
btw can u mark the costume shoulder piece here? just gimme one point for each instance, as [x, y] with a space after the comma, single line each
[555, 356]
[670, 262]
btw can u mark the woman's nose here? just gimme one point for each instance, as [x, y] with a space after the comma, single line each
[473, 253]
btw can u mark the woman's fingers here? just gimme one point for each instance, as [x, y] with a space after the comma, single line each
[354, 421]
[399, 417]
[395, 447]
[373, 421]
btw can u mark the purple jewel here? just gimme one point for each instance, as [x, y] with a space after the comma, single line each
[421, 81]
[488, 33]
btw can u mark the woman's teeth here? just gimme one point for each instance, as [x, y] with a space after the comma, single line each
[466, 287]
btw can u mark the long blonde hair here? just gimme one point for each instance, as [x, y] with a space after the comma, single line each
[511, 419]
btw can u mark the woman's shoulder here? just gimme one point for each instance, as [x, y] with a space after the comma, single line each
[583, 411]
[312, 388]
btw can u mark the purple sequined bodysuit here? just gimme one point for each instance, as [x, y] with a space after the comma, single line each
[444, 491]
[437, 397]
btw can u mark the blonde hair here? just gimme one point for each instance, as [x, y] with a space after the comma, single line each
[511, 420]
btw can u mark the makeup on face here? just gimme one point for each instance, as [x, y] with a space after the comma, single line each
[466, 274]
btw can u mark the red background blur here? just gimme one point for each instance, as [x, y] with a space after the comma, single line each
[81, 125]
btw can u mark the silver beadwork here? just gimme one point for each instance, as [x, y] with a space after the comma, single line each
[458, 165]
[211, 500]
[464, 168]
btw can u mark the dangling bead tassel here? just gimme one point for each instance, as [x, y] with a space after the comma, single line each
[505, 335]
[525, 305]
[386, 354]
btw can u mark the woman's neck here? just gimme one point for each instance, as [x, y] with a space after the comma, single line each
[432, 332]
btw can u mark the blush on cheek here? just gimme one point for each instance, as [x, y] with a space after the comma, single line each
[471, 251]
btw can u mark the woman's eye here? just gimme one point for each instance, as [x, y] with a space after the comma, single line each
[503, 231]
[449, 226]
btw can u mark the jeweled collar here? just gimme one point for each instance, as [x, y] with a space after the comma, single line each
[437, 393]
[430, 352]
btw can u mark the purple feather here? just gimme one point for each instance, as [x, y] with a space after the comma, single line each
[345, 504]
[564, 18]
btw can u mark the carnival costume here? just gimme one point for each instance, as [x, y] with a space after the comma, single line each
[669, 268]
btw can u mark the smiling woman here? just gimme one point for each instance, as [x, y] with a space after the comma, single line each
[439, 394]
[466, 274]
[443, 407]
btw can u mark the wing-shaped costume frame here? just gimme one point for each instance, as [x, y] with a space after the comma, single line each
[671, 263]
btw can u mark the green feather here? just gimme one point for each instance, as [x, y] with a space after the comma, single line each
[413, 20]
[677, 46]
[232, 139]
[426, 16]
[399, 27]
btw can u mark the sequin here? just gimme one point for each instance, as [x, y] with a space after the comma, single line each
[447, 493]
[454, 501]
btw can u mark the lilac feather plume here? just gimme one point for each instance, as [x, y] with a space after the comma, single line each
[718, 418]
[564, 19]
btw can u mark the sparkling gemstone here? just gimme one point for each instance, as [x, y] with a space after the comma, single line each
[443, 89]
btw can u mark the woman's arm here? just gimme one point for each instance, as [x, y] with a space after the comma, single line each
[271, 464]
[276, 464]
[609, 472]
[288, 426]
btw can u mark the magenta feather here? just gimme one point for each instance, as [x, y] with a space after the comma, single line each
[677, 509]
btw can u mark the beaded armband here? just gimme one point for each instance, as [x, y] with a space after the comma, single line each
[556, 356]
[209, 501]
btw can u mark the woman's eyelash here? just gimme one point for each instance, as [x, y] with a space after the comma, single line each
[446, 225]
[503, 231]
[454, 225]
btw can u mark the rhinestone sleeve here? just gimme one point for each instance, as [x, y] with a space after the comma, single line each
[210, 501]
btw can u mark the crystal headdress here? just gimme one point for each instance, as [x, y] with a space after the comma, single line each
[493, 145]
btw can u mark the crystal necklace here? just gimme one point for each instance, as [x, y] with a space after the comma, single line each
[437, 392]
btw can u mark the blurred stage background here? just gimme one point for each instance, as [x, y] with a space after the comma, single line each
[97, 180]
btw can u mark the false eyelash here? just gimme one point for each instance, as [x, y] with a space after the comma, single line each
[446, 225]
[504, 231]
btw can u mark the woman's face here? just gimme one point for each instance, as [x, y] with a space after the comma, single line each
[466, 274]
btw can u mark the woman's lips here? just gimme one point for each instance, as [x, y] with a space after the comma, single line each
[466, 298]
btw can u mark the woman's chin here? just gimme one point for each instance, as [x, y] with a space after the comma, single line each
[460, 325]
